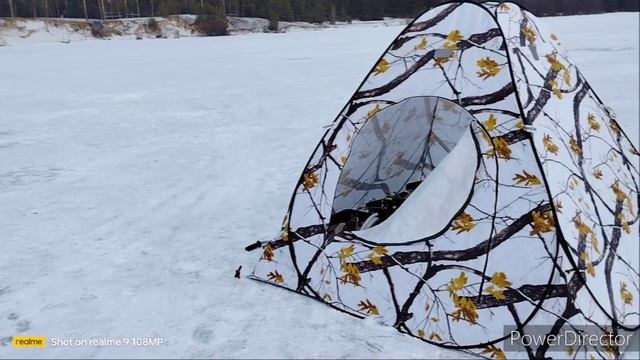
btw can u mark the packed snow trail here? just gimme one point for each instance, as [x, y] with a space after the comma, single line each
[134, 173]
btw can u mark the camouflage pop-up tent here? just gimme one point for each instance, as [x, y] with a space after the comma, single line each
[474, 180]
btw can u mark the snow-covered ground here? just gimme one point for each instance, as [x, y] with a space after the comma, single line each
[133, 173]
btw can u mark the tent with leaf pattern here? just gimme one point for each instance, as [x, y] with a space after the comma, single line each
[473, 181]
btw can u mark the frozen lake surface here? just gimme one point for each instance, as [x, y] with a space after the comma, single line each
[133, 174]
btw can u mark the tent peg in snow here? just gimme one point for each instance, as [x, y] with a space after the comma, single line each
[474, 181]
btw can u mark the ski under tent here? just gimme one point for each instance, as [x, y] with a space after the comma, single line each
[473, 181]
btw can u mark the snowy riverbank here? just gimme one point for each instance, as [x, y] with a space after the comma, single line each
[24, 30]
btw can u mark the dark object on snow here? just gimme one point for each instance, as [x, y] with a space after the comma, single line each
[253, 246]
[237, 275]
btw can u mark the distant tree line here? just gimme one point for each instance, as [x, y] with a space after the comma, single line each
[280, 10]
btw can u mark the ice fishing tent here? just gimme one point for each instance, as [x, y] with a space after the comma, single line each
[473, 181]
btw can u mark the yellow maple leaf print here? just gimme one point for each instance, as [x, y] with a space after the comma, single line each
[457, 284]
[529, 34]
[555, 90]
[311, 179]
[566, 77]
[614, 127]
[455, 36]
[368, 307]
[625, 224]
[267, 253]
[423, 44]
[573, 145]
[377, 254]
[542, 223]
[630, 206]
[463, 223]
[351, 275]
[500, 147]
[625, 294]
[275, 277]
[526, 179]
[453, 39]
[373, 111]
[380, 250]
[597, 173]
[556, 65]
[488, 68]
[346, 252]
[499, 279]
[494, 352]
[285, 230]
[465, 310]
[382, 67]
[620, 195]
[498, 294]
[550, 145]
[491, 123]
[583, 229]
[591, 270]
[593, 123]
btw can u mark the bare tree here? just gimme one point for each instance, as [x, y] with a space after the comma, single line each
[84, 5]
[333, 12]
[11, 8]
[101, 5]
